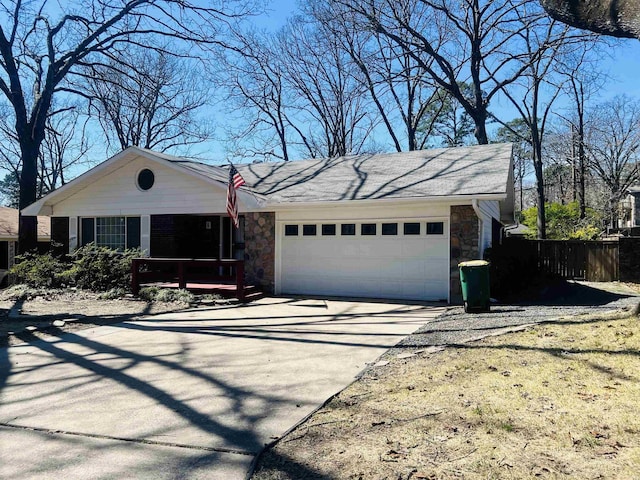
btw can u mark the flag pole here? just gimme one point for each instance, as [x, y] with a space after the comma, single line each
[234, 183]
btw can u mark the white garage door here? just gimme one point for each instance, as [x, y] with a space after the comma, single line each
[402, 260]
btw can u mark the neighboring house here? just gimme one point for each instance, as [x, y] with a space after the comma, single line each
[519, 230]
[9, 238]
[630, 209]
[387, 225]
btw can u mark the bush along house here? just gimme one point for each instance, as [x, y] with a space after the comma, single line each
[9, 240]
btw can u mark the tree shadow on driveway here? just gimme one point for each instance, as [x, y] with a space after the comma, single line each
[51, 385]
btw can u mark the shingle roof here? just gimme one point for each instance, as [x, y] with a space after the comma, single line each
[9, 224]
[476, 170]
[213, 172]
[481, 170]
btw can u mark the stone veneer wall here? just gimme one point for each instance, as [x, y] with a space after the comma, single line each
[629, 259]
[260, 249]
[465, 236]
[12, 252]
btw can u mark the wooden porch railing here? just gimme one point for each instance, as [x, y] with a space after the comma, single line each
[187, 271]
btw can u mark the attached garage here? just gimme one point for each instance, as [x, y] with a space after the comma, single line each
[406, 259]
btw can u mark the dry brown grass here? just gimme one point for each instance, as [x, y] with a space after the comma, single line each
[558, 400]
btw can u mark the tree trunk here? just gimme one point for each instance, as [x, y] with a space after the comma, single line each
[614, 201]
[582, 162]
[28, 226]
[541, 222]
[480, 131]
[618, 18]
[521, 194]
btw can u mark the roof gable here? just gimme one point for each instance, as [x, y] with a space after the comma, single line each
[215, 175]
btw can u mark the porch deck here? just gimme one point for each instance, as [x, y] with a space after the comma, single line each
[224, 277]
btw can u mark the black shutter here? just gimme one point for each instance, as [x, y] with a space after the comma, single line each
[59, 236]
[133, 232]
[87, 233]
[163, 242]
[4, 255]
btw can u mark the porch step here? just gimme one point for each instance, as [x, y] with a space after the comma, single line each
[252, 293]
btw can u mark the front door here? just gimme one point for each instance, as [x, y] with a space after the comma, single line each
[185, 236]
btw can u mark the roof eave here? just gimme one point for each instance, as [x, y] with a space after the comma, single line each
[461, 199]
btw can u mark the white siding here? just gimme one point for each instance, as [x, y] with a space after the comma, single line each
[117, 194]
[397, 211]
[489, 209]
[73, 234]
[145, 234]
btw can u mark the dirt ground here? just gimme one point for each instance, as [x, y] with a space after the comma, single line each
[555, 401]
[51, 312]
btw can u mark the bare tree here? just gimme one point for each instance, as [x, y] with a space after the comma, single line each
[258, 99]
[583, 80]
[325, 89]
[536, 89]
[470, 42]
[64, 147]
[42, 45]
[557, 180]
[517, 132]
[147, 98]
[613, 148]
[399, 87]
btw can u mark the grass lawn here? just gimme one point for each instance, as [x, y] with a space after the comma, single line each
[559, 400]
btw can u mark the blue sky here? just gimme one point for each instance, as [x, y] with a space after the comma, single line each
[625, 69]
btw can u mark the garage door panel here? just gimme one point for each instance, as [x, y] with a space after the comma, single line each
[422, 247]
[413, 269]
[394, 266]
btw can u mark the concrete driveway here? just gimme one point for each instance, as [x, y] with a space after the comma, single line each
[190, 395]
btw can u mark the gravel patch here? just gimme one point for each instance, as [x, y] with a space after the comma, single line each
[565, 301]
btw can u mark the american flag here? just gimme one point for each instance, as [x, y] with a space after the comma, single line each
[235, 182]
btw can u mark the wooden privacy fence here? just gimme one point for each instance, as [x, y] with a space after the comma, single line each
[594, 261]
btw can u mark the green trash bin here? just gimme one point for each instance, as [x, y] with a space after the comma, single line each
[474, 279]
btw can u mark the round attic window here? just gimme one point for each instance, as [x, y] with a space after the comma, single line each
[146, 179]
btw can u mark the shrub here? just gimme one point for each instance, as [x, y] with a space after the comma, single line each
[101, 269]
[43, 270]
[19, 292]
[173, 295]
[113, 294]
[148, 293]
[155, 294]
[564, 222]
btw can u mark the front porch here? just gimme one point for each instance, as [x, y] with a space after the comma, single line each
[224, 277]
